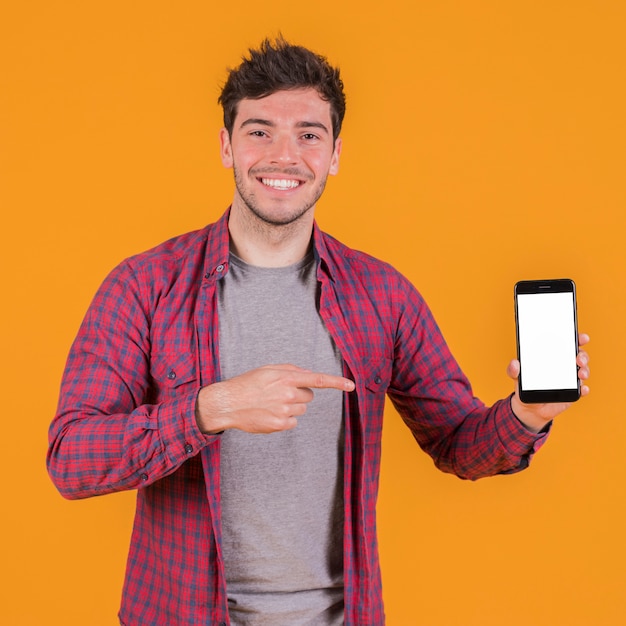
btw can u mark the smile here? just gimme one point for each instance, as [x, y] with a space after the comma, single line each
[283, 184]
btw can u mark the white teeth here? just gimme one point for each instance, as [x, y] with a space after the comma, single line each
[280, 184]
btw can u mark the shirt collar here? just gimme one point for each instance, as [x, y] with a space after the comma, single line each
[322, 254]
[218, 247]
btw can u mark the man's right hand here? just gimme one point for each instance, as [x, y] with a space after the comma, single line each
[264, 400]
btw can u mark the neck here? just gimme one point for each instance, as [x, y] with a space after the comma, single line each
[269, 245]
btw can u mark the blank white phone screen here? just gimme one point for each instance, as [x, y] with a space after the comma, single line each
[547, 341]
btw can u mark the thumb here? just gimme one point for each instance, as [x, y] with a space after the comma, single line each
[513, 369]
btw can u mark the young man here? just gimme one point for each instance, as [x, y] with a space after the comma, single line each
[192, 380]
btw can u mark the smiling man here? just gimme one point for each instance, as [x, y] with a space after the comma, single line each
[236, 377]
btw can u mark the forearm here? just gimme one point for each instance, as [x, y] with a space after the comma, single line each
[94, 453]
[488, 441]
[435, 399]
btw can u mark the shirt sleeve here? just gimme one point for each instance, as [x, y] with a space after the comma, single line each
[106, 436]
[435, 399]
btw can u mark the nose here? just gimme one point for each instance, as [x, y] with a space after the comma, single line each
[284, 151]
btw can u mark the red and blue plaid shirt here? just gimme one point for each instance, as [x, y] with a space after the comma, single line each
[126, 416]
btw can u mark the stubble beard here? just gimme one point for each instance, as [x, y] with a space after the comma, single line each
[276, 219]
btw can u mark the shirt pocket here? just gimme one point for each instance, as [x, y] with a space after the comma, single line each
[376, 380]
[173, 374]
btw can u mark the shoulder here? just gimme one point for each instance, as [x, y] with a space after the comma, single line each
[173, 252]
[351, 264]
[173, 265]
[370, 286]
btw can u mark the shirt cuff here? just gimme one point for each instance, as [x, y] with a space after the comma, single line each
[179, 430]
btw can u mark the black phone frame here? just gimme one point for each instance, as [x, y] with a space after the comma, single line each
[551, 285]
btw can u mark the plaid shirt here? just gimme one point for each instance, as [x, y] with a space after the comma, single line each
[126, 415]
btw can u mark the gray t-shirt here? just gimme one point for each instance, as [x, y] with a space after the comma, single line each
[282, 493]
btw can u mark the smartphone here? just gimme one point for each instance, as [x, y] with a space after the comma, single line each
[547, 340]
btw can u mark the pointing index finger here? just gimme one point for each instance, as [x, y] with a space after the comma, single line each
[318, 380]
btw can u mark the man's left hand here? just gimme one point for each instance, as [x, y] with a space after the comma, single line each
[536, 416]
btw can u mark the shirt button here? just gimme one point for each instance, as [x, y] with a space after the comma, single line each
[188, 448]
[219, 268]
[172, 375]
[378, 380]
[144, 477]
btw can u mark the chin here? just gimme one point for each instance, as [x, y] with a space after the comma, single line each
[278, 217]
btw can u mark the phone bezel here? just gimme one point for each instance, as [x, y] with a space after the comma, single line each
[553, 285]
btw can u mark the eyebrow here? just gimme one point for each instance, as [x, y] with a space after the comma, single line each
[313, 125]
[258, 121]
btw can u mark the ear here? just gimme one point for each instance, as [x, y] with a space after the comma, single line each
[334, 161]
[226, 150]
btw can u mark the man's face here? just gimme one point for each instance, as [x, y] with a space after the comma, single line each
[282, 150]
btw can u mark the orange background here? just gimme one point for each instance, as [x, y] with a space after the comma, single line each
[484, 143]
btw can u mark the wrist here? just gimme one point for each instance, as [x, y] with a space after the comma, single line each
[528, 416]
[209, 418]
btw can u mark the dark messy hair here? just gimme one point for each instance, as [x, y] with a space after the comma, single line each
[280, 65]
